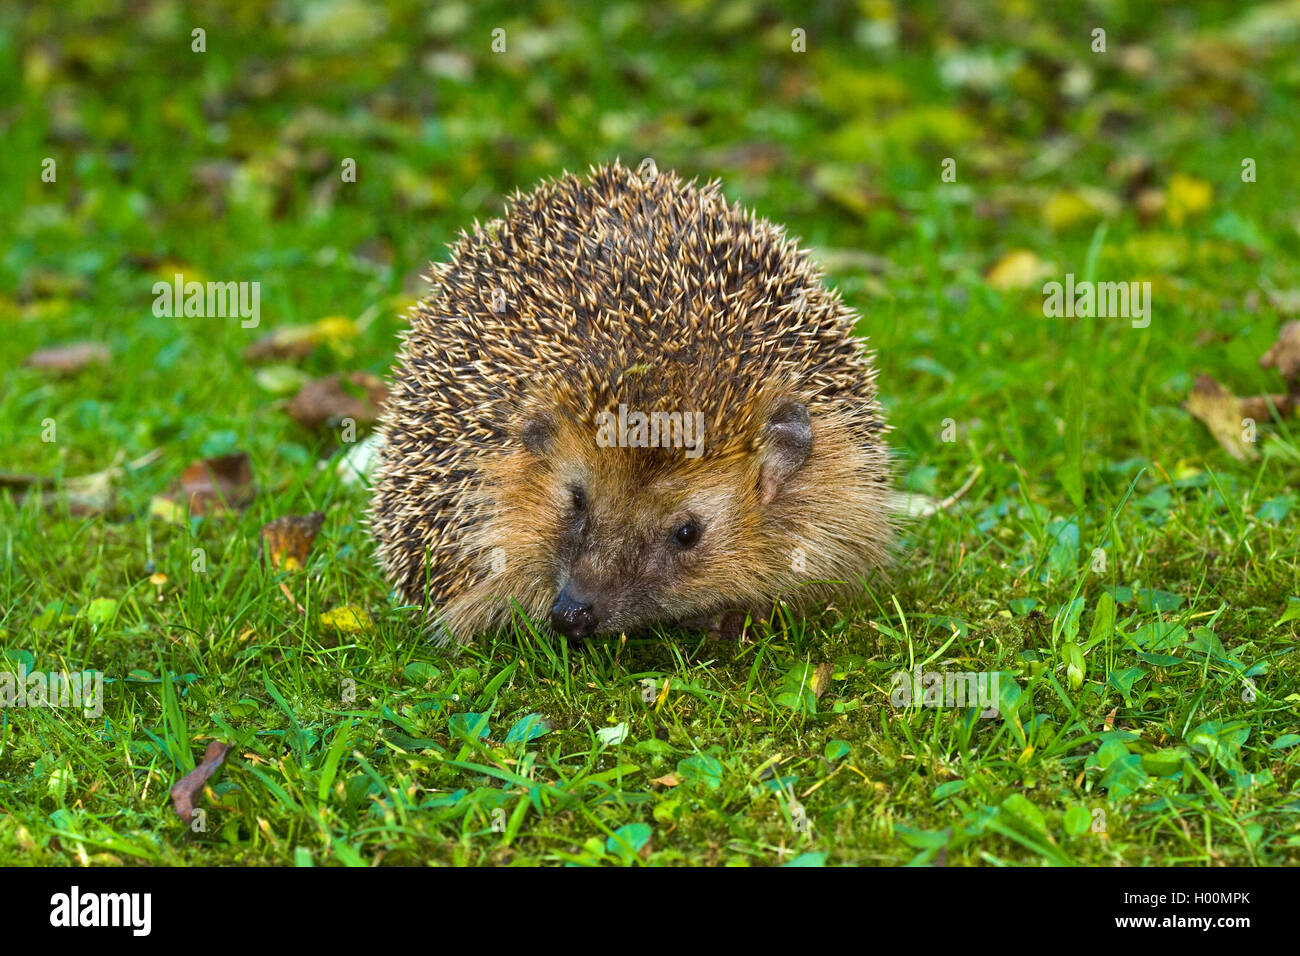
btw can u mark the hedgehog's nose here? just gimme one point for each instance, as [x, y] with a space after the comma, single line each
[571, 618]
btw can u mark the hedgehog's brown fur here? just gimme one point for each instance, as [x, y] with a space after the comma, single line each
[648, 291]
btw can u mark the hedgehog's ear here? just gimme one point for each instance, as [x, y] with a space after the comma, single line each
[537, 433]
[787, 439]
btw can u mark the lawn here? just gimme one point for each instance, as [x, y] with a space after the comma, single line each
[1132, 582]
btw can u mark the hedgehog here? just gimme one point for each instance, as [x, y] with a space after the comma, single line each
[628, 403]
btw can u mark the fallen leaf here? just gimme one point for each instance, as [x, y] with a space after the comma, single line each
[185, 789]
[612, 736]
[1257, 406]
[1158, 252]
[1072, 207]
[289, 538]
[168, 269]
[1285, 355]
[1018, 269]
[837, 260]
[48, 284]
[822, 678]
[1220, 411]
[1186, 197]
[348, 619]
[281, 379]
[299, 341]
[667, 780]
[209, 487]
[357, 463]
[846, 187]
[375, 253]
[326, 401]
[70, 358]
[1132, 171]
[13, 479]
[166, 509]
[448, 65]
[91, 494]
[1136, 60]
[1149, 204]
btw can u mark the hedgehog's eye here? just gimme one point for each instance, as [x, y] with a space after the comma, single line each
[687, 535]
[579, 501]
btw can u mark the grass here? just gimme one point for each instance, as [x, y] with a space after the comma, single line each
[1106, 531]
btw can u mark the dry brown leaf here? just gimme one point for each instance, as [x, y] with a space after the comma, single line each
[376, 252]
[299, 341]
[86, 495]
[325, 401]
[1256, 406]
[218, 483]
[1149, 204]
[289, 538]
[1285, 355]
[667, 780]
[822, 678]
[1133, 172]
[13, 479]
[210, 487]
[1221, 412]
[70, 358]
[291, 342]
[187, 788]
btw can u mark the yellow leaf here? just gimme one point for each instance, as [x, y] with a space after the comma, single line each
[1072, 207]
[1156, 252]
[45, 309]
[336, 328]
[1018, 269]
[168, 510]
[1187, 197]
[299, 341]
[169, 269]
[663, 694]
[348, 619]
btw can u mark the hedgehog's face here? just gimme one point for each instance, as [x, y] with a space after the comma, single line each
[642, 535]
[627, 557]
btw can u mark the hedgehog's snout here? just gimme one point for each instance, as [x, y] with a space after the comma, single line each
[573, 617]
